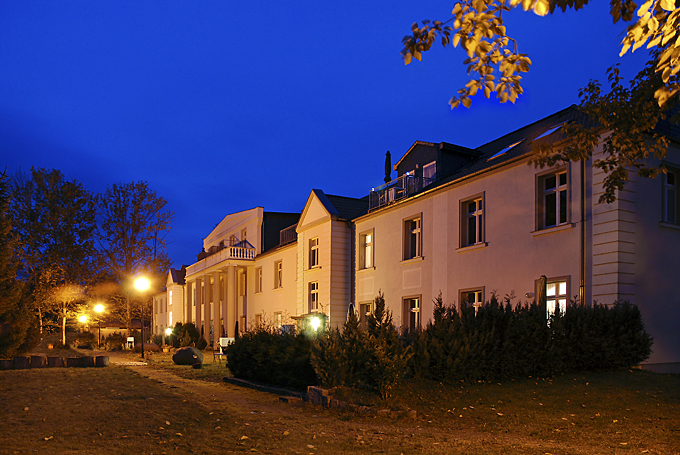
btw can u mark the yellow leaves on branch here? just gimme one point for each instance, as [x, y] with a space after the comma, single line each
[657, 25]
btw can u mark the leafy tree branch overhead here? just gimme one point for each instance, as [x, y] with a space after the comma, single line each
[495, 63]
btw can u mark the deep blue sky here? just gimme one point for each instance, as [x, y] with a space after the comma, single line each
[223, 106]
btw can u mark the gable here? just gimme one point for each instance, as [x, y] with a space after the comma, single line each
[314, 212]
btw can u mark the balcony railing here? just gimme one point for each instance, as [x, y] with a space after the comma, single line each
[400, 188]
[217, 254]
[288, 235]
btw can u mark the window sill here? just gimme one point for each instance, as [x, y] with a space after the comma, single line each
[366, 269]
[314, 267]
[278, 289]
[476, 246]
[415, 259]
[550, 230]
[668, 225]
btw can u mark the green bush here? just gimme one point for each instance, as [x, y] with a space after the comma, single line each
[85, 340]
[374, 359]
[272, 357]
[114, 342]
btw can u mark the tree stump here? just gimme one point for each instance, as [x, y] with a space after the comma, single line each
[55, 361]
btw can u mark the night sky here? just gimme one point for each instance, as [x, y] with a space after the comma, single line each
[224, 106]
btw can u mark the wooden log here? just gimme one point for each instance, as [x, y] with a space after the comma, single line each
[38, 361]
[6, 364]
[88, 361]
[55, 361]
[22, 362]
[101, 361]
[73, 362]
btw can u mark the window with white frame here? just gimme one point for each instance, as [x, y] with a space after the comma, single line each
[232, 240]
[557, 295]
[170, 298]
[366, 250]
[278, 274]
[472, 221]
[670, 197]
[472, 298]
[553, 199]
[244, 325]
[278, 320]
[244, 238]
[258, 320]
[169, 318]
[412, 238]
[258, 279]
[411, 314]
[313, 296]
[313, 252]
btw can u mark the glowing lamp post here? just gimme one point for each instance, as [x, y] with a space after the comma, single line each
[142, 284]
[168, 332]
[99, 308]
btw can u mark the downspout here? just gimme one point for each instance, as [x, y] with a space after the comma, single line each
[582, 284]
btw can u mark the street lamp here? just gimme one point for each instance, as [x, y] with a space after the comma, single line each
[142, 284]
[99, 308]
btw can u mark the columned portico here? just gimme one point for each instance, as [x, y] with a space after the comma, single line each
[231, 301]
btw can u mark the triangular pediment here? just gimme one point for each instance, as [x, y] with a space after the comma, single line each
[318, 209]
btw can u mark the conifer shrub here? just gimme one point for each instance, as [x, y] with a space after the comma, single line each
[373, 359]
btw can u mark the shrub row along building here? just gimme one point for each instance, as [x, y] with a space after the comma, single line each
[466, 223]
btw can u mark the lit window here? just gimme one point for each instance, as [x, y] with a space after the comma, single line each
[556, 294]
[553, 200]
[412, 238]
[472, 221]
[314, 252]
[170, 318]
[670, 197]
[411, 314]
[314, 296]
[366, 250]
[472, 298]
[278, 321]
[278, 274]
[170, 298]
[258, 320]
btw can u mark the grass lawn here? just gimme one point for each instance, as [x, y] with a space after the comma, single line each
[119, 410]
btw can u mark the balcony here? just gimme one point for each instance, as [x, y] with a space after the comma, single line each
[288, 235]
[217, 254]
[400, 188]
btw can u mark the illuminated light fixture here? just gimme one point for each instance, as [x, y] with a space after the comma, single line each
[168, 331]
[83, 319]
[315, 322]
[142, 284]
[99, 308]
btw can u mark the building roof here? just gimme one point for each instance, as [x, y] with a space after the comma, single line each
[177, 276]
[348, 208]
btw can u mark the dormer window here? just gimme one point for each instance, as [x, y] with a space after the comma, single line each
[429, 172]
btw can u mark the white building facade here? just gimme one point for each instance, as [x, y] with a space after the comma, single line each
[466, 223]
